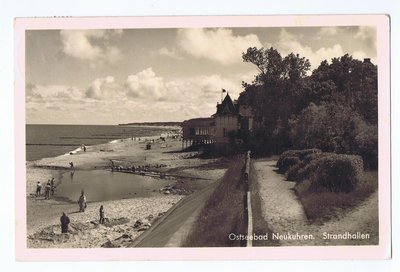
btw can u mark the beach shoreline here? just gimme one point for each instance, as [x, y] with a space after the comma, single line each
[43, 215]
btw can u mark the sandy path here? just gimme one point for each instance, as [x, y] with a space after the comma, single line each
[284, 213]
[280, 206]
[189, 216]
[175, 227]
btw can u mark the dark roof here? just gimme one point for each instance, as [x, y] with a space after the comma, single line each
[227, 107]
[198, 121]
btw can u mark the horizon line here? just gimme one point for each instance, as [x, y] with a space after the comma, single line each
[70, 124]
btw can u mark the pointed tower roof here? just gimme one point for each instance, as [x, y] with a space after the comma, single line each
[227, 106]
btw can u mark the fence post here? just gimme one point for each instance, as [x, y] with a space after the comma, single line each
[248, 200]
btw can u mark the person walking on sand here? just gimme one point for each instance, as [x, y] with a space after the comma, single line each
[64, 219]
[112, 165]
[47, 190]
[52, 186]
[101, 211]
[82, 202]
[38, 188]
[71, 164]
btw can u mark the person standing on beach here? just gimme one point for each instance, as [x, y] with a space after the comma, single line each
[112, 165]
[101, 211]
[82, 202]
[47, 190]
[64, 219]
[71, 164]
[38, 188]
[52, 187]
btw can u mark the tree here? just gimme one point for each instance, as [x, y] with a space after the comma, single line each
[334, 127]
[333, 109]
[279, 85]
[295, 67]
[347, 81]
[269, 63]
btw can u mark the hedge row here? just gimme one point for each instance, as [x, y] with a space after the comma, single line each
[293, 157]
[326, 171]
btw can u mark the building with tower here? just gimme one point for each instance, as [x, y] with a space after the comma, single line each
[231, 123]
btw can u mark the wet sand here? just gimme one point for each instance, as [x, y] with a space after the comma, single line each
[43, 215]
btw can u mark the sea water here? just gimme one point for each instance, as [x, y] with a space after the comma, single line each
[43, 141]
[102, 185]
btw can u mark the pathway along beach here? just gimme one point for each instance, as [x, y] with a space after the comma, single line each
[128, 213]
[284, 214]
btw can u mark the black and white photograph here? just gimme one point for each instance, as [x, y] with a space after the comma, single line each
[202, 137]
[205, 135]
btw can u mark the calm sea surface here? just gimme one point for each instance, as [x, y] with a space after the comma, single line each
[44, 141]
[100, 185]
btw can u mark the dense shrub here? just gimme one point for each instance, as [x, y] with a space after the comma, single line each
[302, 170]
[366, 140]
[283, 162]
[308, 166]
[288, 162]
[335, 172]
[308, 158]
[326, 171]
[293, 172]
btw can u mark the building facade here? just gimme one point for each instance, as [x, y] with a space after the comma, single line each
[227, 121]
[198, 131]
[230, 123]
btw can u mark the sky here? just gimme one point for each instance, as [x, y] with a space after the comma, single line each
[114, 76]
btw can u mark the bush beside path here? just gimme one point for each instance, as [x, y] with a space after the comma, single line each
[284, 213]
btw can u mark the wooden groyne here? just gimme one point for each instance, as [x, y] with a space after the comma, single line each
[161, 175]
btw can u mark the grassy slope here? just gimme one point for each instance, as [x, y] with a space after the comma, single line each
[223, 213]
[322, 206]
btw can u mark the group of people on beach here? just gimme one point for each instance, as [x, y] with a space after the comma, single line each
[64, 219]
[49, 189]
[82, 201]
[137, 168]
[140, 169]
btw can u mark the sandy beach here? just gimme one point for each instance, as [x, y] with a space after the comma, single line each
[186, 173]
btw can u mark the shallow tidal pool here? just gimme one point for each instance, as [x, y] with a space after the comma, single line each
[101, 185]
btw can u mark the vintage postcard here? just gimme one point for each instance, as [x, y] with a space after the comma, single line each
[203, 138]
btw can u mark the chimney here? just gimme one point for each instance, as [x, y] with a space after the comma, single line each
[367, 60]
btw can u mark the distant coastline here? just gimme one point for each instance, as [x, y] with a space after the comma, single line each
[45, 141]
[158, 124]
